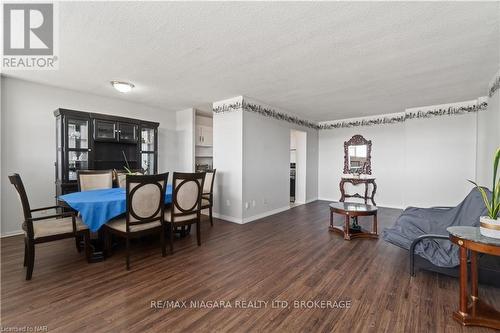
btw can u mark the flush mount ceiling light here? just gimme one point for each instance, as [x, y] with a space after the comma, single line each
[121, 86]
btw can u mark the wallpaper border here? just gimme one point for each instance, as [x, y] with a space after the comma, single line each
[495, 85]
[263, 111]
[414, 113]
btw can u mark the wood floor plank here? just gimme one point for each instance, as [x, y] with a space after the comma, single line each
[289, 256]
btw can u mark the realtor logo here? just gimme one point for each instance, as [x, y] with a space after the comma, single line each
[29, 36]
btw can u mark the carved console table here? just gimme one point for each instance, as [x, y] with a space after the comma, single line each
[357, 181]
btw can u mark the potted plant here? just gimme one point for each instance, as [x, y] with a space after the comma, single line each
[490, 225]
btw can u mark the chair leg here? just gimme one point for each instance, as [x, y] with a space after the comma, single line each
[171, 238]
[86, 238]
[127, 254]
[78, 243]
[198, 236]
[210, 214]
[162, 241]
[31, 260]
[25, 252]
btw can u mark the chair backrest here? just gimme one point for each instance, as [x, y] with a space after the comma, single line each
[15, 180]
[187, 189]
[119, 176]
[145, 198]
[208, 185]
[94, 179]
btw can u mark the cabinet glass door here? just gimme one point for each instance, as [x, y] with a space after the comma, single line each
[104, 130]
[77, 160]
[127, 132]
[147, 139]
[148, 163]
[77, 138]
[78, 131]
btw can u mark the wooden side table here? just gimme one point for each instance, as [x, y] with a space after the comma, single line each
[473, 311]
[352, 210]
[356, 181]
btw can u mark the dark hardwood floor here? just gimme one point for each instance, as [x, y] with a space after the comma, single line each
[289, 256]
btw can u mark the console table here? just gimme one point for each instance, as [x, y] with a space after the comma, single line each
[355, 181]
[473, 311]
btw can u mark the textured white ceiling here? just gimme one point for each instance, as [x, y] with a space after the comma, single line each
[322, 61]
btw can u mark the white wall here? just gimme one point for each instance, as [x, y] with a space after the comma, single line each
[387, 162]
[421, 162]
[28, 138]
[255, 153]
[488, 139]
[440, 157]
[228, 160]
[266, 165]
[185, 127]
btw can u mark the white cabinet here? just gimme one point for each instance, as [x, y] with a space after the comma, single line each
[204, 135]
[208, 137]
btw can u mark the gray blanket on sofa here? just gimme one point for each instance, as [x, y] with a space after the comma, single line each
[414, 222]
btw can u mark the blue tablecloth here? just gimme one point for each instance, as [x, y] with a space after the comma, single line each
[97, 207]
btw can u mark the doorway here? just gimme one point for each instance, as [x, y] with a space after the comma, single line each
[298, 164]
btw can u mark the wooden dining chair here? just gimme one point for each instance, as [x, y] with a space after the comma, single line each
[119, 176]
[46, 228]
[94, 179]
[207, 200]
[185, 209]
[145, 202]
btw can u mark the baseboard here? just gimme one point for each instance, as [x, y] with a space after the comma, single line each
[250, 218]
[12, 233]
[311, 200]
[265, 214]
[228, 218]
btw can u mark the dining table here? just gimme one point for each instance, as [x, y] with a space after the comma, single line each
[97, 207]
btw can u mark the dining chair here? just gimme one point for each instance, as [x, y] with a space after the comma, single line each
[145, 204]
[185, 209]
[94, 179]
[46, 228]
[119, 176]
[207, 198]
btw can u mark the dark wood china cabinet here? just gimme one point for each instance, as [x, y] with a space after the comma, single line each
[96, 141]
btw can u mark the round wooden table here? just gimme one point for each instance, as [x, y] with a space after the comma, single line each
[352, 210]
[472, 310]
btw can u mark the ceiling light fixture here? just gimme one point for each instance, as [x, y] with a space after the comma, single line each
[121, 86]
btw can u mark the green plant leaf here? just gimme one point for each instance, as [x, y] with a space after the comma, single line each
[494, 190]
[487, 203]
[496, 209]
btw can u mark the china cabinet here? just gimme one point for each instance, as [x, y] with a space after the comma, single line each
[96, 141]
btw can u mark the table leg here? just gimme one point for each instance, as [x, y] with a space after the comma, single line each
[331, 218]
[342, 191]
[463, 281]
[366, 193]
[473, 274]
[347, 236]
[375, 224]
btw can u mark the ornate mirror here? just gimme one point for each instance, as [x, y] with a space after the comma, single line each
[357, 155]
